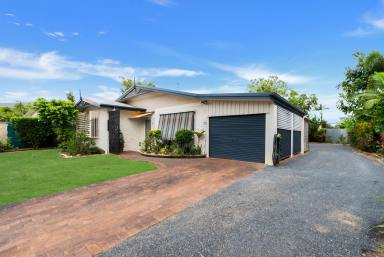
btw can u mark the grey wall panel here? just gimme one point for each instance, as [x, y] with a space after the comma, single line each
[285, 143]
[296, 142]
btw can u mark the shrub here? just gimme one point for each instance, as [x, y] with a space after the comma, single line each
[33, 131]
[362, 136]
[153, 143]
[80, 143]
[4, 146]
[184, 141]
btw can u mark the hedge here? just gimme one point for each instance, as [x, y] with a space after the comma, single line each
[33, 132]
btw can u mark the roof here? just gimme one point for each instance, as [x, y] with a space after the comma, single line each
[86, 102]
[276, 98]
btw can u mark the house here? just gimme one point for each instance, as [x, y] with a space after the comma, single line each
[239, 126]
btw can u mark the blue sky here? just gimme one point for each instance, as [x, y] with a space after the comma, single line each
[50, 47]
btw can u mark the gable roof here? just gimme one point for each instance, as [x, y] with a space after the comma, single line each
[276, 98]
[86, 102]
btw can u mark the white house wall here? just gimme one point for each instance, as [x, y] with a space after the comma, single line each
[133, 131]
[102, 141]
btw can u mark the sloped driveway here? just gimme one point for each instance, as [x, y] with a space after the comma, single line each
[91, 219]
[321, 204]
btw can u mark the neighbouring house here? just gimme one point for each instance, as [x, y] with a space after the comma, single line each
[239, 126]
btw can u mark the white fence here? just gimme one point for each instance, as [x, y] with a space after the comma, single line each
[336, 135]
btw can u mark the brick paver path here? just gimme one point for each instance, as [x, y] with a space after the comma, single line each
[89, 220]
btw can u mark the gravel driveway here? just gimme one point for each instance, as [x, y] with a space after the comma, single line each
[321, 204]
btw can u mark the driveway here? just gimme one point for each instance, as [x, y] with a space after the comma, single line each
[92, 219]
[321, 204]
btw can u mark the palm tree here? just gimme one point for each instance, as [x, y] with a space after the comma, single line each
[375, 93]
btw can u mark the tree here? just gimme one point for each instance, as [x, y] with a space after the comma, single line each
[271, 84]
[307, 103]
[6, 113]
[70, 96]
[357, 79]
[60, 114]
[373, 99]
[128, 83]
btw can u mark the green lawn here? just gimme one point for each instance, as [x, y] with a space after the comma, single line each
[28, 174]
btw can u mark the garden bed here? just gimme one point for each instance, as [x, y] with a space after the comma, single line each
[172, 156]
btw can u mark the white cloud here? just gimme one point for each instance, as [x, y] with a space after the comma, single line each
[10, 15]
[16, 64]
[28, 24]
[101, 33]
[75, 33]
[255, 71]
[162, 2]
[371, 23]
[106, 93]
[57, 34]
[26, 96]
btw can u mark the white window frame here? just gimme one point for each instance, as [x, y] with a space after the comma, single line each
[94, 128]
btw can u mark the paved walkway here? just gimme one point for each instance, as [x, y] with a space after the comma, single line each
[321, 204]
[92, 219]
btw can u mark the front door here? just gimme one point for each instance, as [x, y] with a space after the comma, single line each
[114, 132]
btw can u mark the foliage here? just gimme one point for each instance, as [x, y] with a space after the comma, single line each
[182, 145]
[4, 146]
[128, 83]
[317, 130]
[273, 84]
[60, 114]
[363, 98]
[307, 103]
[153, 143]
[18, 110]
[80, 143]
[6, 113]
[374, 100]
[184, 141]
[32, 131]
[362, 136]
[357, 79]
[346, 123]
[70, 96]
[28, 174]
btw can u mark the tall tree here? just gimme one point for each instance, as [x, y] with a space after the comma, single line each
[273, 84]
[357, 79]
[128, 83]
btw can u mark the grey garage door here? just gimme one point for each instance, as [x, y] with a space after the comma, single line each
[238, 137]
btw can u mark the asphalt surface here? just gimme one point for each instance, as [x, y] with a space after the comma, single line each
[321, 204]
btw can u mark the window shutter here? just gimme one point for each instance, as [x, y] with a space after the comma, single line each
[169, 124]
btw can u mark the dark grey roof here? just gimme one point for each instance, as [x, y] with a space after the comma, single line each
[276, 98]
[86, 102]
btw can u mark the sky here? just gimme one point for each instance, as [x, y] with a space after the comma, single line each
[48, 48]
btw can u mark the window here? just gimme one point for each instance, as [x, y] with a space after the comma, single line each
[169, 124]
[94, 127]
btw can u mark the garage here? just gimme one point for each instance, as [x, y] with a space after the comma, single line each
[240, 137]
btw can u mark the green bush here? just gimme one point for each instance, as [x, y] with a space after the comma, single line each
[153, 142]
[33, 131]
[80, 143]
[4, 146]
[362, 136]
[184, 141]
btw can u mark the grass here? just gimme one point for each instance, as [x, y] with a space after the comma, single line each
[28, 174]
